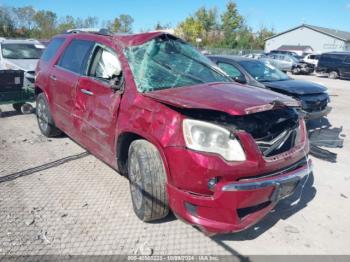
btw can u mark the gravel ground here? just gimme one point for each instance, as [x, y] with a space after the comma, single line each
[79, 206]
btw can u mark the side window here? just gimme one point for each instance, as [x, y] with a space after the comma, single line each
[105, 64]
[312, 57]
[231, 70]
[52, 48]
[347, 60]
[76, 55]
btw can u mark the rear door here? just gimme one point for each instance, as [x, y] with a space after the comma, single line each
[97, 103]
[63, 79]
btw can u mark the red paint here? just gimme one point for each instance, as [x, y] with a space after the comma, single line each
[96, 122]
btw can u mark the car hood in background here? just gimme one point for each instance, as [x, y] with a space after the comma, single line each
[230, 98]
[22, 64]
[297, 87]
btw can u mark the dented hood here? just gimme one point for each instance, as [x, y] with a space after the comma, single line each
[230, 98]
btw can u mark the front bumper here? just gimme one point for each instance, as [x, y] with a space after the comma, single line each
[317, 114]
[235, 206]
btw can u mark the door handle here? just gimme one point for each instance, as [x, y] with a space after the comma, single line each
[86, 92]
[53, 77]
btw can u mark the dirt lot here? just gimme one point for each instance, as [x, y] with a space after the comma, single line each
[78, 205]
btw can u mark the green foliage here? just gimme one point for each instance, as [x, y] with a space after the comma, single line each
[230, 32]
[42, 24]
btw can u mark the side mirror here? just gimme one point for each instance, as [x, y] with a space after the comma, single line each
[117, 82]
[240, 79]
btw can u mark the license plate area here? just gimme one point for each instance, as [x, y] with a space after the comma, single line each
[284, 190]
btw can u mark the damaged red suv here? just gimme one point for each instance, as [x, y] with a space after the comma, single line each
[218, 154]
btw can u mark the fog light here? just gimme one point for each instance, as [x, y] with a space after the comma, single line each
[191, 208]
[212, 182]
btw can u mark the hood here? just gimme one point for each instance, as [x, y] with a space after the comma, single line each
[230, 98]
[22, 64]
[296, 87]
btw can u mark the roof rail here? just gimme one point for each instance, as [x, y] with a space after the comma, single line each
[101, 31]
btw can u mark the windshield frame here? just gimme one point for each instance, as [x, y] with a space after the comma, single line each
[170, 64]
[281, 76]
[38, 50]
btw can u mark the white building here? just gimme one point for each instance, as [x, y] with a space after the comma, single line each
[319, 39]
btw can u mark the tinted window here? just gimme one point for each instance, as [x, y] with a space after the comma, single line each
[231, 70]
[105, 64]
[52, 48]
[75, 56]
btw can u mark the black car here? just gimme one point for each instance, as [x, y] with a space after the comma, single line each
[313, 97]
[335, 65]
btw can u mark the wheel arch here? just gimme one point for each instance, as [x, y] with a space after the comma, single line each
[123, 143]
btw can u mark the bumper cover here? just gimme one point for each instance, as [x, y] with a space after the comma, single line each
[220, 213]
[317, 114]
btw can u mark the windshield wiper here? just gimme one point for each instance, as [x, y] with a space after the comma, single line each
[169, 68]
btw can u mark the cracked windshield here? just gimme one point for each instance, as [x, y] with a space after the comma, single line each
[167, 62]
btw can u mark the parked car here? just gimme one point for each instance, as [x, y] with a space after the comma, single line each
[283, 62]
[218, 154]
[311, 59]
[335, 65]
[284, 52]
[302, 68]
[313, 97]
[18, 54]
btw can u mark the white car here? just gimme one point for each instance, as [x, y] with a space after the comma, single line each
[21, 54]
[311, 59]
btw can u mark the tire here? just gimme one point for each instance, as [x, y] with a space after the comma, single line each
[333, 75]
[45, 121]
[295, 71]
[147, 178]
[18, 107]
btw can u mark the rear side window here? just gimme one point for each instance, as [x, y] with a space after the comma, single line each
[51, 49]
[76, 55]
[231, 70]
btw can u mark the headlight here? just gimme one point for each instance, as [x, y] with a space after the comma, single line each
[206, 137]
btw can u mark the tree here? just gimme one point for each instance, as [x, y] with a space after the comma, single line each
[231, 21]
[66, 23]
[7, 26]
[126, 22]
[262, 35]
[190, 29]
[160, 26]
[45, 23]
[25, 17]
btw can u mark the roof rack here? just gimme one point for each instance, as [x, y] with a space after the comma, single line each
[98, 31]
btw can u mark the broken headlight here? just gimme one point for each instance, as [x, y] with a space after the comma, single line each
[207, 137]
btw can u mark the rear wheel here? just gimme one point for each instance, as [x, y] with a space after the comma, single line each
[147, 178]
[333, 75]
[17, 107]
[45, 121]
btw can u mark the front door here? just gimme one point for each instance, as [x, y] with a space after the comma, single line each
[97, 103]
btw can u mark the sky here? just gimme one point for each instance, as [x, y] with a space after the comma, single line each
[280, 15]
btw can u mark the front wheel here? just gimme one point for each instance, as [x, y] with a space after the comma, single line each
[147, 178]
[45, 121]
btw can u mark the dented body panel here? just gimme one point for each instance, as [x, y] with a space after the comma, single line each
[99, 121]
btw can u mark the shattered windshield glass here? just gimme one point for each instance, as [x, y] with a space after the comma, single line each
[168, 62]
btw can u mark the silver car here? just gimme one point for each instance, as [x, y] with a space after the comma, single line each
[281, 61]
[19, 54]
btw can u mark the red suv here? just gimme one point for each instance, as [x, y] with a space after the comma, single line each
[220, 155]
